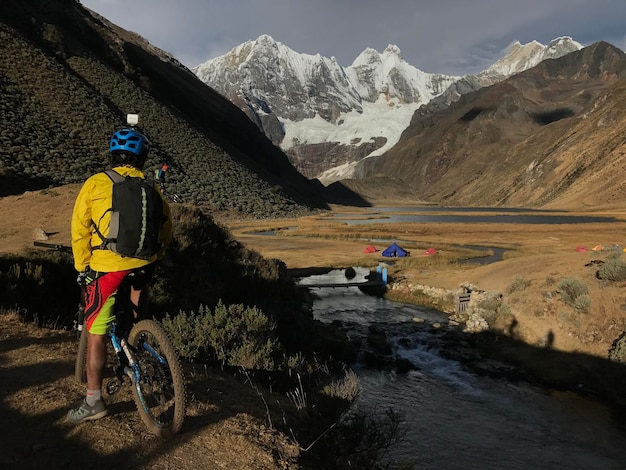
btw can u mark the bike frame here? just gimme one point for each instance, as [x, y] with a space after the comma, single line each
[121, 346]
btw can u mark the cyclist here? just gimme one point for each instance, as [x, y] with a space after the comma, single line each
[160, 175]
[104, 270]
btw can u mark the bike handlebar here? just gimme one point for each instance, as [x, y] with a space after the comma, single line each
[54, 246]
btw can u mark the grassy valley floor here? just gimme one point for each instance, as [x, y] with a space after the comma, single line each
[539, 255]
[537, 259]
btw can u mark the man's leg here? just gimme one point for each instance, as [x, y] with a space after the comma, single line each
[139, 280]
[92, 407]
[96, 360]
[99, 315]
[140, 303]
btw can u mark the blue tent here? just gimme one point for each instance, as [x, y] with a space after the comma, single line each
[395, 250]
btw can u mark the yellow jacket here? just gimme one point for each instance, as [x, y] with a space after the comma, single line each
[92, 204]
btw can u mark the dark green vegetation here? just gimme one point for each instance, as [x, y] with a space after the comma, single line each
[67, 81]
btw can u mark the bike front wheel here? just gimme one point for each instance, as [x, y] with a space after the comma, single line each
[159, 389]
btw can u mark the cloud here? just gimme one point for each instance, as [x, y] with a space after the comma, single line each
[448, 36]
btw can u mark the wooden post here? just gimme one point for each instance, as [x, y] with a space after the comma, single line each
[462, 303]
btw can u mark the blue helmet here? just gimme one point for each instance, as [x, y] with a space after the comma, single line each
[129, 140]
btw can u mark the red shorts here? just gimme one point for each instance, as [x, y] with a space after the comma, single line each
[100, 301]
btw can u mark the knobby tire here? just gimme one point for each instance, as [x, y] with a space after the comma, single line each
[160, 393]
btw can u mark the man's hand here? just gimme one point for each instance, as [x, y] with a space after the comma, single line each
[81, 279]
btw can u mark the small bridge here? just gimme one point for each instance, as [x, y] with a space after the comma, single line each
[345, 284]
[376, 281]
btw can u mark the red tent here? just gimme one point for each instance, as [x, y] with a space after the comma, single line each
[430, 251]
[370, 249]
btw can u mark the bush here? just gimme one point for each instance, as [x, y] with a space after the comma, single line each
[346, 388]
[617, 353]
[362, 439]
[549, 280]
[582, 303]
[493, 310]
[234, 335]
[519, 284]
[41, 285]
[614, 269]
[181, 329]
[571, 289]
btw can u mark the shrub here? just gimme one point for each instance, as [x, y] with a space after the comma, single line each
[234, 335]
[493, 310]
[490, 303]
[296, 363]
[519, 284]
[181, 329]
[570, 289]
[614, 269]
[41, 285]
[617, 353]
[582, 303]
[570, 318]
[346, 388]
[549, 280]
[242, 337]
[362, 439]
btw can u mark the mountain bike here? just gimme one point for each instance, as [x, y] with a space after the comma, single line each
[170, 197]
[145, 359]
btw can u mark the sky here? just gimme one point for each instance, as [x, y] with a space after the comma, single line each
[452, 37]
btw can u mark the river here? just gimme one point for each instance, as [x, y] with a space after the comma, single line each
[455, 419]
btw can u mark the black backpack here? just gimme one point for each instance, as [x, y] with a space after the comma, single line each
[136, 217]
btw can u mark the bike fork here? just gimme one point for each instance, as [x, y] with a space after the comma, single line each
[127, 365]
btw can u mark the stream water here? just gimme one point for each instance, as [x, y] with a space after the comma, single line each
[454, 419]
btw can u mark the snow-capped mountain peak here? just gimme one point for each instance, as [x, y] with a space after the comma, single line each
[373, 73]
[304, 102]
[521, 57]
[297, 86]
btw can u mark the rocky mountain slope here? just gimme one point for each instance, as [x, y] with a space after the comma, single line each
[67, 79]
[520, 57]
[552, 136]
[327, 117]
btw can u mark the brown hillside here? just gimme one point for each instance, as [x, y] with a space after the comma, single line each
[68, 77]
[552, 136]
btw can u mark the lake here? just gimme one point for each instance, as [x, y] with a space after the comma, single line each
[464, 215]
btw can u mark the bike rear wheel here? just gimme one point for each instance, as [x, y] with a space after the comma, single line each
[80, 367]
[160, 391]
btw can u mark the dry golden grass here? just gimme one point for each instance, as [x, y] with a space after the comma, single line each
[542, 255]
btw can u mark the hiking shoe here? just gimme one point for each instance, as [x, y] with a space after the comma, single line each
[87, 413]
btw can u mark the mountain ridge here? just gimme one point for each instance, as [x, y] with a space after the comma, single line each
[346, 113]
[551, 136]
